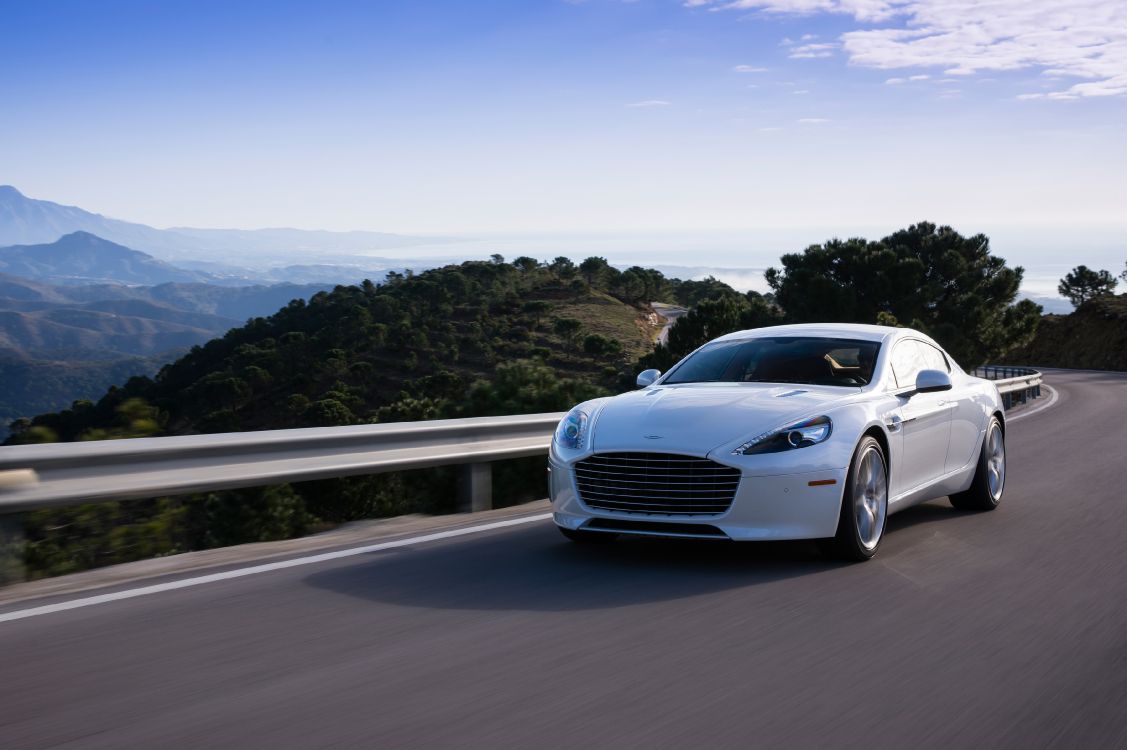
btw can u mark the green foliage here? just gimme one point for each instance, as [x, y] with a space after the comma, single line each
[523, 387]
[601, 346]
[568, 329]
[927, 277]
[463, 340]
[1093, 337]
[1082, 284]
[691, 293]
[65, 540]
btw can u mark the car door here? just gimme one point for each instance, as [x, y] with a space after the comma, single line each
[925, 419]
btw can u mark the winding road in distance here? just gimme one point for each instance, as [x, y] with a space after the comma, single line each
[1005, 629]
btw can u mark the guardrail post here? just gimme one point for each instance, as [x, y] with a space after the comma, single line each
[11, 549]
[476, 488]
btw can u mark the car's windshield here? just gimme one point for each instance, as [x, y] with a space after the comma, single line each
[780, 359]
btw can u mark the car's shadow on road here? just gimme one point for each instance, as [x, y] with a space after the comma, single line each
[537, 569]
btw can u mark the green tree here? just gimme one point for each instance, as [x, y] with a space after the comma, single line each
[568, 329]
[690, 293]
[927, 277]
[597, 345]
[537, 309]
[1082, 284]
[564, 268]
[523, 387]
[596, 271]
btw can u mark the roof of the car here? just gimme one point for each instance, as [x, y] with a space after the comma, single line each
[831, 330]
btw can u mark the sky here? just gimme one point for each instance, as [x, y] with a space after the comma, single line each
[432, 116]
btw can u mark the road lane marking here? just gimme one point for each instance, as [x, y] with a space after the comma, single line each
[1052, 400]
[226, 575]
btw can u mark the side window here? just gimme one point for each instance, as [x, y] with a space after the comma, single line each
[907, 361]
[934, 358]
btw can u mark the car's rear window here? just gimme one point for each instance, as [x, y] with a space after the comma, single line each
[805, 360]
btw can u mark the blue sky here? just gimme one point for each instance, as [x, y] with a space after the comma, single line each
[545, 115]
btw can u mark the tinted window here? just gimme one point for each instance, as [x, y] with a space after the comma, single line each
[781, 359]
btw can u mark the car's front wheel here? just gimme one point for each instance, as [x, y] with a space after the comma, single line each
[864, 507]
[985, 491]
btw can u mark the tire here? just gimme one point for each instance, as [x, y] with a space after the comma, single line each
[588, 537]
[989, 482]
[864, 506]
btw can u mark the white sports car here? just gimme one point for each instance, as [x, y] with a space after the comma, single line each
[814, 431]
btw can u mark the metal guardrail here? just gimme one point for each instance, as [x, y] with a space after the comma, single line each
[39, 476]
[1017, 385]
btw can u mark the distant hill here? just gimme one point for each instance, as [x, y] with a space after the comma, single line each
[1093, 337]
[84, 258]
[61, 343]
[235, 303]
[29, 221]
[363, 352]
[29, 385]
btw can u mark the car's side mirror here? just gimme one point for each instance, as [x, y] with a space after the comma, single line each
[647, 377]
[931, 381]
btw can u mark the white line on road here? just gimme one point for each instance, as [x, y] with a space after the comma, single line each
[1052, 400]
[265, 568]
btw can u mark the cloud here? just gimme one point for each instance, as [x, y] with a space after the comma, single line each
[748, 69]
[895, 81]
[923, 77]
[865, 10]
[1082, 40]
[810, 51]
[649, 103]
[812, 120]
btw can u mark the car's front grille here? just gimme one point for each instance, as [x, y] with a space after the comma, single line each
[664, 483]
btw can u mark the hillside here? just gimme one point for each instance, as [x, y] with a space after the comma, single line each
[1093, 337]
[416, 343]
[62, 343]
[36, 385]
[84, 258]
[476, 339]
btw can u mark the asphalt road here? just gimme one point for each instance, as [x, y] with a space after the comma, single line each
[1005, 629]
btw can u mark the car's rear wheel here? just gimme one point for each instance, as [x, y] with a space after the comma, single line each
[989, 483]
[864, 507]
[588, 537]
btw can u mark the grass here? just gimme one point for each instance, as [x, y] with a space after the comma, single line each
[607, 316]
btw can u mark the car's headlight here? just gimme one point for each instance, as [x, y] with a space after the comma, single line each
[801, 435]
[572, 430]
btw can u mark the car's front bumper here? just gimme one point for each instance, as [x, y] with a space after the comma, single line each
[782, 506]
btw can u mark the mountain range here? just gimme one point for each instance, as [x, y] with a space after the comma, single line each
[29, 221]
[84, 258]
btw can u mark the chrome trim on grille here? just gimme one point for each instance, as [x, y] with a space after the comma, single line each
[656, 483]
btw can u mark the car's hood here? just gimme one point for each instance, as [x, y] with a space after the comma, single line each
[696, 418]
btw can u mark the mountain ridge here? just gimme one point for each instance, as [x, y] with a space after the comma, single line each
[82, 257]
[30, 221]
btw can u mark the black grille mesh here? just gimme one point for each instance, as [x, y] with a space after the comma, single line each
[664, 483]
